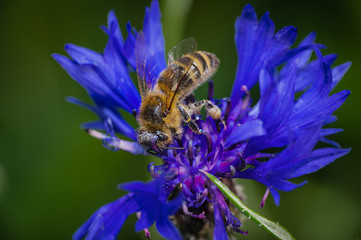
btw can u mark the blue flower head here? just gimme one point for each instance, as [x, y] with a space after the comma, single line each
[240, 145]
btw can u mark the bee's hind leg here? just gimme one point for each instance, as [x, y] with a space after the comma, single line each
[187, 118]
[212, 110]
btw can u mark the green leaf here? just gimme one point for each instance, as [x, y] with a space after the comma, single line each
[274, 228]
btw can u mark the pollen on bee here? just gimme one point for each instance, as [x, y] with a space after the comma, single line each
[215, 113]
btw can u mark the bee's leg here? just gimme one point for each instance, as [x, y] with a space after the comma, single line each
[178, 136]
[212, 110]
[187, 118]
[155, 146]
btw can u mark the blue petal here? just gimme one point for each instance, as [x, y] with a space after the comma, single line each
[304, 57]
[283, 39]
[112, 67]
[135, 186]
[319, 159]
[312, 73]
[279, 47]
[245, 33]
[83, 55]
[149, 214]
[297, 123]
[277, 102]
[97, 125]
[284, 185]
[275, 171]
[330, 142]
[120, 124]
[128, 49]
[312, 108]
[329, 120]
[116, 63]
[114, 26]
[82, 231]
[151, 197]
[314, 112]
[110, 84]
[266, 82]
[264, 36]
[288, 54]
[246, 131]
[295, 152]
[152, 28]
[330, 131]
[251, 41]
[338, 72]
[107, 221]
[116, 50]
[80, 103]
[167, 229]
[276, 196]
[174, 205]
[220, 232]
[85, 75]
[97, 84]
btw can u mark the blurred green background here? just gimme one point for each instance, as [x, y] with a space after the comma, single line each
[53, 176]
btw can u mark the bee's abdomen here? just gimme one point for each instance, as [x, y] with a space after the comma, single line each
[201, 64]
[187, 73]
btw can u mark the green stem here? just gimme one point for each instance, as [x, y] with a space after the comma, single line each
[274, 228]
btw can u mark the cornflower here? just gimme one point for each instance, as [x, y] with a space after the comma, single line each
[241, 145]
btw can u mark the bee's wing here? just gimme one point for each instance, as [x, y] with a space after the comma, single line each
[188, 45]
[145, 65]
[177, 78]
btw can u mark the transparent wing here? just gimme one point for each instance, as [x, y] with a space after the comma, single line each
[188, 45]
[177, 69]
[140, 59]
[146, 65]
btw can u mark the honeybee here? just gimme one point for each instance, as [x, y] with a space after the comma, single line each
[163, 109]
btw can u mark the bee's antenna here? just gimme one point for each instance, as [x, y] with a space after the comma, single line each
[175, 148]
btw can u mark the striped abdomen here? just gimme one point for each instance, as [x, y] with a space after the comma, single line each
[187, 73]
